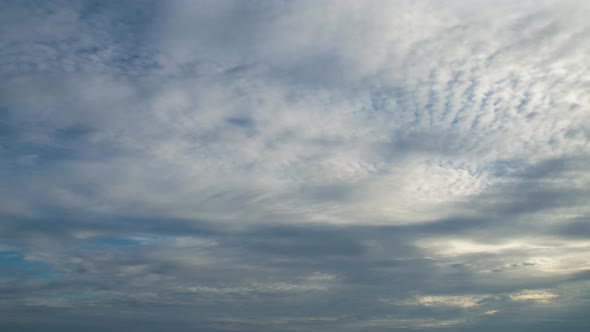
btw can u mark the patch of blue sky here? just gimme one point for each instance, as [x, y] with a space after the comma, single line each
[75, 132]
[117, 241]
[45, 153]
[13, 265]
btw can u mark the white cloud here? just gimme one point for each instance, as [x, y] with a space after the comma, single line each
[490, 312]
[536, 296]
[413, 120]
[450, 301]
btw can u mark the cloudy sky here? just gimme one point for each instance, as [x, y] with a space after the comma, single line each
[296, 165]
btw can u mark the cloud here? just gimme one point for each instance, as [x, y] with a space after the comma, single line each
[452, 301]
[306, 165]
[490, 312]
[542, 297]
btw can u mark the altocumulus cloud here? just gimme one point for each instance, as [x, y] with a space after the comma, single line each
[294, 165]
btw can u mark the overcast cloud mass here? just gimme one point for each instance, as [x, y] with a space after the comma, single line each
[295, 165]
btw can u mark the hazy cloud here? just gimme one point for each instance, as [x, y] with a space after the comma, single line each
[302, 165]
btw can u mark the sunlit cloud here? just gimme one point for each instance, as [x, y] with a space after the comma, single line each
[535, 296]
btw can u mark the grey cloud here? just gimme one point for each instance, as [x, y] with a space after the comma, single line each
[308, 166]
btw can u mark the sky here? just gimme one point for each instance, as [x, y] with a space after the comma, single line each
[301, 165]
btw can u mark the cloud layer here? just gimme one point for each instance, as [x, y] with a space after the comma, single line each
[300, 165]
